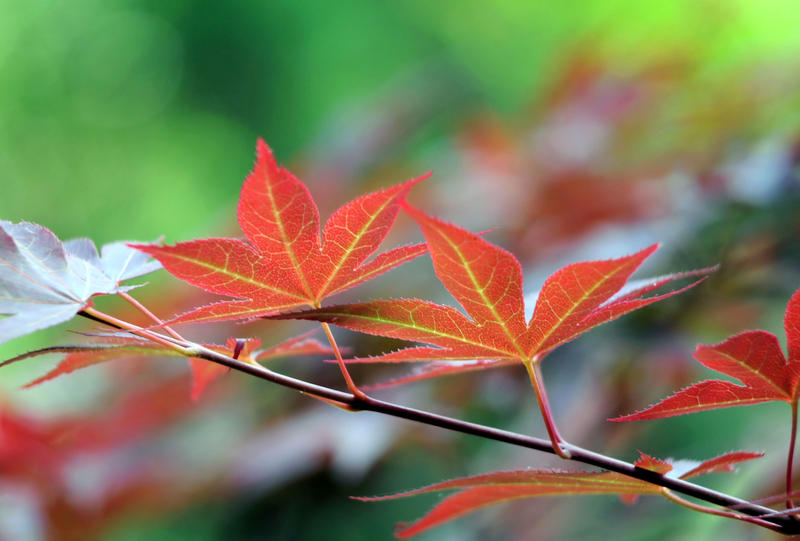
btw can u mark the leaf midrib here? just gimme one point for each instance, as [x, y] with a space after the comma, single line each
[568, 480]
[288, 245]
[410, 326]
[480, 290]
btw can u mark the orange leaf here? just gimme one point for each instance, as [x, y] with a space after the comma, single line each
[285, 262]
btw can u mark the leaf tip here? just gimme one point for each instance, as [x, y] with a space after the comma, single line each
[33, 383]
[264, 155]
[403, 530]
[147, 248]
[650, 250]
[638, 415]
[424, 176]
[407, 185]
[262, 147]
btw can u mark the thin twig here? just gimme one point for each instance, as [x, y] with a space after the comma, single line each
[135, 329]
[139, 306]
[790, 459]
[559, 444]
[84, 313]
[718, 512]
[788, 512]
[351, 385]
[768, 500]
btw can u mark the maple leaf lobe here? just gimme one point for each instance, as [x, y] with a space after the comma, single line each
[279, 216]
[485, 279]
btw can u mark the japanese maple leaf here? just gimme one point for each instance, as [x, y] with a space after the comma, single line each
[44, 282]
[752, 357]
[285, 263]
[487, 282]
[756, 360]
[497, 487]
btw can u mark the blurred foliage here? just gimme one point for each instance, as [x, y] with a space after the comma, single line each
[577, 131]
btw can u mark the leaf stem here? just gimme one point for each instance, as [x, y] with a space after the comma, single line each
[559, 445]
[351, 385]
[717, 512]
[790, 459]
[139, 306]
[767, 500]
[135, 329]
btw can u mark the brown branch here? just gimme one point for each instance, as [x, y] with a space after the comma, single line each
[787, 525]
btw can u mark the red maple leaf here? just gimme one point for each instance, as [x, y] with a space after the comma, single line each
[487, 282]
[498, 487]
[752, 357]
[756, 360]
[285, 263]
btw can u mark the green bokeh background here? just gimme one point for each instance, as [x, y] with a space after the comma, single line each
[137, 119]
[133, 120]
